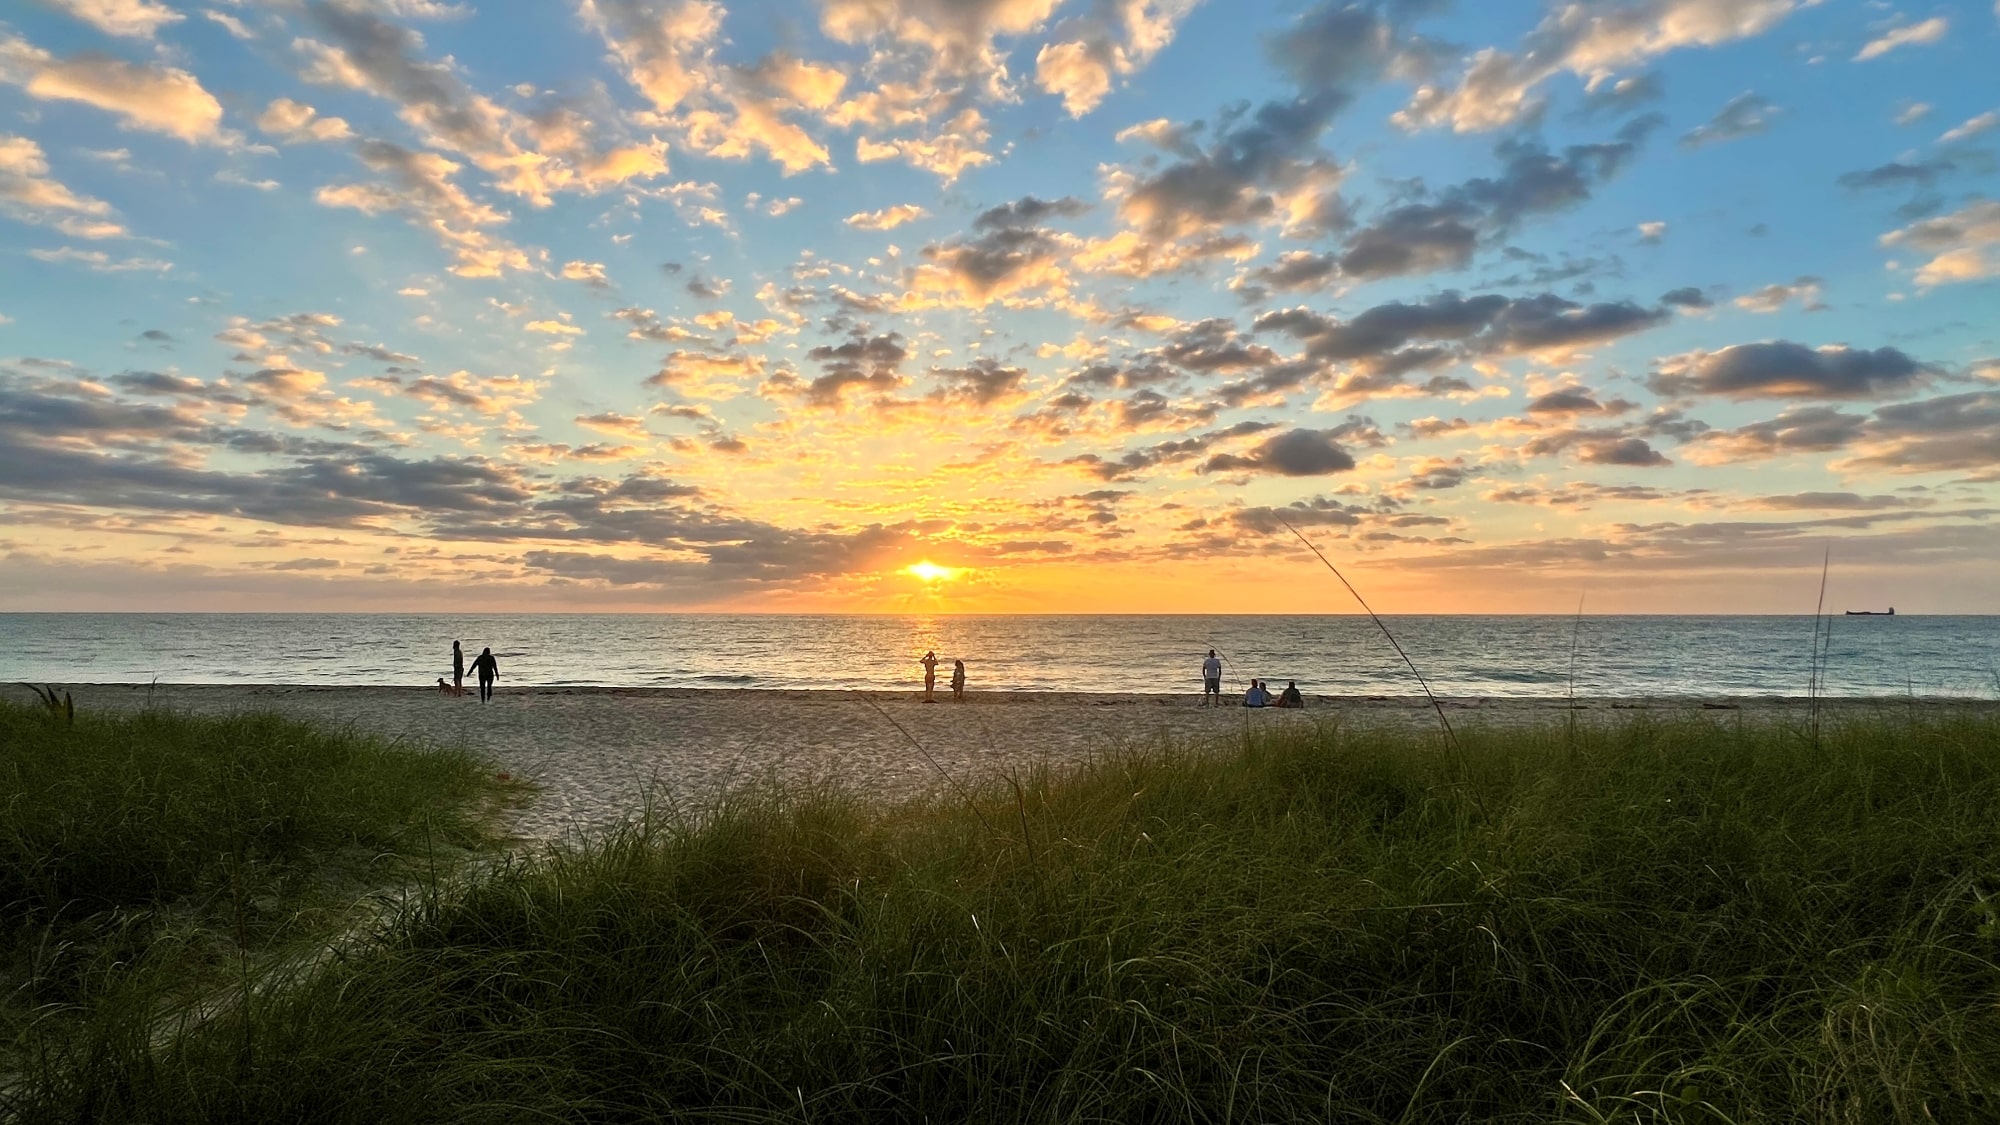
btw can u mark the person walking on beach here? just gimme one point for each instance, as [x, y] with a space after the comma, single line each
[457, 669]
[1211, 680]
[488, 670]
[930, 676]
[958, 681]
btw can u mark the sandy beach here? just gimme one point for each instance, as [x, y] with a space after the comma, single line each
[597, 752]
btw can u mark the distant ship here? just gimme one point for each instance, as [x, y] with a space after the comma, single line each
[1890, 612]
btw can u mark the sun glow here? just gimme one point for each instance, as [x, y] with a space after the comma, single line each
[928, 572]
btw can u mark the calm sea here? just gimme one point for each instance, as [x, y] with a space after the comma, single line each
[1474, 656]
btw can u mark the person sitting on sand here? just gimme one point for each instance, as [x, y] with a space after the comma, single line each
[1256, 696]
[1290, 697]
[958, 681]
[930, 676]
[488, 670]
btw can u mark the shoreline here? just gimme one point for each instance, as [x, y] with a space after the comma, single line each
[599, 754]
[1001, 696]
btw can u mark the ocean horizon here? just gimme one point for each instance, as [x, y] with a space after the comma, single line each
[1498, 655]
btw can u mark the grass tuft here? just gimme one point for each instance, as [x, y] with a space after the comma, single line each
[1661, 921]
[144, 857]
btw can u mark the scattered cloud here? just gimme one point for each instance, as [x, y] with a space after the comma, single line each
[1972, 127]
[153, 98]
[135, 19]
[1746, 115]
[1783, 369]
[1965, 244]
[888, 218]
[1916, 34]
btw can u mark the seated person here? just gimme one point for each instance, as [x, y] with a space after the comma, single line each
[1256, 696]
[1290, 697]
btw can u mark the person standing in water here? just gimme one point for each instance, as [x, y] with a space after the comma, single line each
[488, 670]
[457, 669]
[930, 676]
[1211, 680]
[958, 681]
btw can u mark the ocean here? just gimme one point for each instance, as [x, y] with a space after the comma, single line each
[1613, 657]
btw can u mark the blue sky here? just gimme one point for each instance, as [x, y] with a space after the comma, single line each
[629, 304]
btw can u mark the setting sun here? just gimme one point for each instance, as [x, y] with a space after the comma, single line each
[928, 571]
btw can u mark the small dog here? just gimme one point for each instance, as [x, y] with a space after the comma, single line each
[446, 689]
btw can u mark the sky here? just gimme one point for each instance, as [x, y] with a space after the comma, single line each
[1652, 306]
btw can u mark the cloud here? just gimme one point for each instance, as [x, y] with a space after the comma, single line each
[1953, 433]
[29, 194]
[946, 153]
[1965, 244]
[229, 23]
[888, 218]
[100, 262]
[861, 364]
[1972, 127]
[1294, 453]
[135, 19]
[488, 395]
[553, 328]
[1773, 298]
[419, 185]
[1007, 259]
[1575, 400]
[955, 38]
[590, 274]
[1782, 369]
[1745, 115]
[562, 151]
[1134, 463]
[1949, 433]
[1686, 298]
[1922, 173]
[1917, 34]
[1398, 337]
[296, 122]
[158, 99]
[1593, 42]
[661, 44]
[1115, 39]
[1444, 234]
[982, 383]
[1296, 270]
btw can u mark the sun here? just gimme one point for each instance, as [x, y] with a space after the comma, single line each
[928, 572]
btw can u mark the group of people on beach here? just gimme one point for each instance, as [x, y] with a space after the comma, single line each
[930, 663]
[483, 666]
[1259, 695]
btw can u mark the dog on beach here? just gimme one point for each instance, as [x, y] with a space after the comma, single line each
[446, 689]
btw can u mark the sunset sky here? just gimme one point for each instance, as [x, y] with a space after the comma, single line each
[679, 304]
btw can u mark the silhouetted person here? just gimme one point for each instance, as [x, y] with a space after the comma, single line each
[1290, 697]
[958, 680]
[457, 669]
[1211, 679]
[488, 670]
[930, 676]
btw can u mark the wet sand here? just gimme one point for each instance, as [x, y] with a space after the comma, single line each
[597, 752]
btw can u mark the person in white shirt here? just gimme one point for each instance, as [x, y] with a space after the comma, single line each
[1211, 680]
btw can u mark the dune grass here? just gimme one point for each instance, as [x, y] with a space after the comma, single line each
[1651, 922]
[144, 851]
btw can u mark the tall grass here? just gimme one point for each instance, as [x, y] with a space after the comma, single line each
[117, 831]
[1653, 922]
